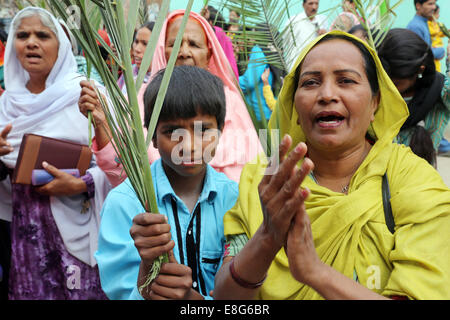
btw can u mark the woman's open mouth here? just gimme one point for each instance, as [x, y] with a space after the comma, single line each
[33, 57]
[329, 119]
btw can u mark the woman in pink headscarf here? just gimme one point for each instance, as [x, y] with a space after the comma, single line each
[239, 142]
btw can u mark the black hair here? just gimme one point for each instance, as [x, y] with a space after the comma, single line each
[369, 64]
[104, 53]
[216, 18]
[358, 27]
[191, 91]
[402, 52]
[3, 34]
[420, 1]
[422, 145]
[149, 25]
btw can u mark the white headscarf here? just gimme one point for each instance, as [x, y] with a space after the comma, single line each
[29, 112]
[52, 113]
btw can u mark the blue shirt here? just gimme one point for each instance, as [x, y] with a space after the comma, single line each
[419, 25]
[252, 85]
[117, 257]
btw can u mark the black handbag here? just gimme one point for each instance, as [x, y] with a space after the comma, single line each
[388, 216]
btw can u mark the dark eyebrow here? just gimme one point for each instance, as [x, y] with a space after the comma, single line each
[207, 123]
[316, 73]
[307, 73]
[170, 126]
[348, 70]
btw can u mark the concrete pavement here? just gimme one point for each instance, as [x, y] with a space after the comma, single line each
[443, 163]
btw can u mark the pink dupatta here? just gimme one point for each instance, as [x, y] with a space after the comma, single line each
[239, 142]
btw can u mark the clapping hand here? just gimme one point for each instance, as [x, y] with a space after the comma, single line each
[281, 195]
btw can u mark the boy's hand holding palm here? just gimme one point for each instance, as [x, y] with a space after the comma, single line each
[152, 238]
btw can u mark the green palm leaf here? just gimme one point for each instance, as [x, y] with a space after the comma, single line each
[123, 114]
[377, 17]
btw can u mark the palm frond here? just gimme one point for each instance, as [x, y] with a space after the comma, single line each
[122, 113]
[377, 17]
[143, 12]
[261, 22]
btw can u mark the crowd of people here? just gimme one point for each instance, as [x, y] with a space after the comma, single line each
[354, 210]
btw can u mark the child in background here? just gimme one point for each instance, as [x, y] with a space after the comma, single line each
[436, 35]
[192, 199]
[267, 90]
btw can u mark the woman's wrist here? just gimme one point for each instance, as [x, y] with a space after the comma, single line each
[316, 277]
[102, 135]
[266, 242]
[253, 261]
[89, 184]
[79, 186]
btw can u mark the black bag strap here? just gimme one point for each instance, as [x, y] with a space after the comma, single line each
[178, 229]
[388, 216]
[192, 247]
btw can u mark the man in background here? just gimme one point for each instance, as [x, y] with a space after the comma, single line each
[305, 27]
[419, 24]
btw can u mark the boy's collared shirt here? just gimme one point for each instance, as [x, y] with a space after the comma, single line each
[117, 257]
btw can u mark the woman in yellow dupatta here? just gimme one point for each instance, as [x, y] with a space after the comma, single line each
[329, 238]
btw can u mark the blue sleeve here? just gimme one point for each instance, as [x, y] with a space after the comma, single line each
[417, 28]
[254, 70]
[243, 81]
[117, 257]
[438, 53]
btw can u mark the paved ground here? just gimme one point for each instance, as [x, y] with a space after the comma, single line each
[443, 163]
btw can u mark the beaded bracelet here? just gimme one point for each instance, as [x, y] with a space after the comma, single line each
[241, 282]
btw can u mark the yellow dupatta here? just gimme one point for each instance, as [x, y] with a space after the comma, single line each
[349, 231]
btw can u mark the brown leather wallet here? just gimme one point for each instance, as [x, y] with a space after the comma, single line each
[62, 154]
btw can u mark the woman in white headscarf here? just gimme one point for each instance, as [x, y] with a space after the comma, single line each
[52, 241]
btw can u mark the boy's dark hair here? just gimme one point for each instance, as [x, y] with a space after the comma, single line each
[191, 91]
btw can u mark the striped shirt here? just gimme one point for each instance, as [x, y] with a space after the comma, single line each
[435, 121]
